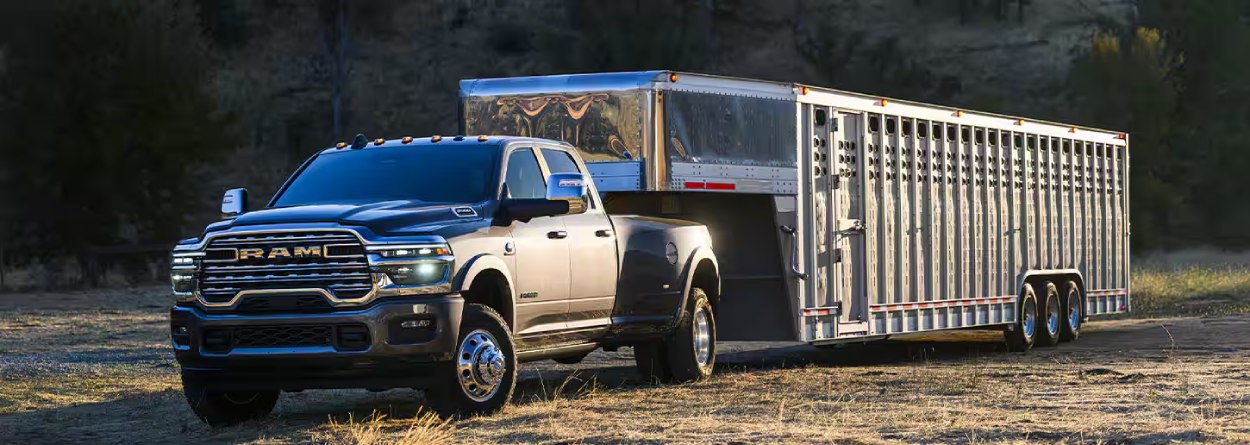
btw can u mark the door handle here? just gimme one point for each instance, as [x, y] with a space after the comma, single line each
[794, 252]
[603, 233]
[557, 234]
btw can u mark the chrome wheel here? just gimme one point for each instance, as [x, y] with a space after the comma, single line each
[1074, 312]
[1029, 323]
[480, 365]
[702, 337]
[1052, 315]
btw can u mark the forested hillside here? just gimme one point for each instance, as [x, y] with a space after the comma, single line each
[121, 121]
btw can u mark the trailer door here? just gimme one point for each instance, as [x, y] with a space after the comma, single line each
[830, 225]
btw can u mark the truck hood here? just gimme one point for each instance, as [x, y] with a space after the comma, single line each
[381, 217]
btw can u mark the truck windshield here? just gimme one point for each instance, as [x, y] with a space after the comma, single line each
[453, 175]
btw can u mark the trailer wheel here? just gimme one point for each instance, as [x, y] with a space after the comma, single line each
[218, 408]
[1051, 316]
[482, 375]
[1020, 336]
[692, 347]
[1073, 310]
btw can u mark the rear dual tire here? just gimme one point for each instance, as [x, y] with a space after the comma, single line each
[688, 354]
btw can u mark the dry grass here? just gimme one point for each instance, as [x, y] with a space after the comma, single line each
[426, 428]
[95, 367]
[1195, 282]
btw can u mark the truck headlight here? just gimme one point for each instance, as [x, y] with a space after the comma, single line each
[182, 274]
[412, 264]
[416, 274]
[182, 281]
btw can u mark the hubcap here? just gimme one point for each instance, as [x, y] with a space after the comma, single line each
[1052, 315]
[1074, 312]
[480, 365]
[702, 337]
[1030, 318]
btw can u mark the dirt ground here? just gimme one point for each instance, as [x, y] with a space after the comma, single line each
[95, 367]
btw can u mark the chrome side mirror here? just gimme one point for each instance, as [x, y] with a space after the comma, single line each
[234, 203]
[570, 187]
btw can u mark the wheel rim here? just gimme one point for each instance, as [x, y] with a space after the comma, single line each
[702, 337]
[1074, 311]
[1029, 323]
[1052, 314]
[480, 365]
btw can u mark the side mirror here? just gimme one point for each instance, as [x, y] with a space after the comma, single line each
[234, 203]
[524, 210]
[569, 187]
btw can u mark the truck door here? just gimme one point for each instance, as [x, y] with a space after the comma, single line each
[592, 254]
[830, 221]
[542, 253]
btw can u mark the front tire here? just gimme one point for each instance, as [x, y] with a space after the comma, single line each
[221, 408]
[481, 377]
[1020, 337]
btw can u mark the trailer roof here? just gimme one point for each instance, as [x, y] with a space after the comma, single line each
[562, 83]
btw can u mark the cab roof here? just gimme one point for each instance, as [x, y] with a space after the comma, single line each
[454, 141]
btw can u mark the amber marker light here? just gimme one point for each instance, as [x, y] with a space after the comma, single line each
[406, 139]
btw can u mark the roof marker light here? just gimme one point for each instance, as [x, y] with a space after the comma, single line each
[340, 145]
[379, 141]
[436, 138]
[406, 139]
[481, 138]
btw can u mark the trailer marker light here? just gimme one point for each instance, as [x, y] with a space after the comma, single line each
[379, 141]
[695, 185]
[721, 186]
[672, 77]
[959, 113]
[1019, 121]
[883, 102]
[1072, 130]
[436, 138]
[804, 90]
[1121, 136]
[407, 139]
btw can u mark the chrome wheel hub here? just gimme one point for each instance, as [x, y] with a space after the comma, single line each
[1074, 313]
[702, 337]
[1052, 315]
[1030, 318]
[480, 365]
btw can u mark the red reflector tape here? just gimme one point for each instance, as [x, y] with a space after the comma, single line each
[721, 186]
[694, 185]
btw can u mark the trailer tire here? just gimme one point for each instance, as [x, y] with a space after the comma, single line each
[1050, 314]
[1020, 336]
[480, 379]
[219, 408]
[1074, 312]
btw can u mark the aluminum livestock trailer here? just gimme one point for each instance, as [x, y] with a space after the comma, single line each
[840, 216]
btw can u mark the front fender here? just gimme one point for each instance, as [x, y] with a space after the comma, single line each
[482, 263]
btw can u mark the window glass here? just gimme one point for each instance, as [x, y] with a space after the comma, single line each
[430, 174]
[525, 179]
[605, 126]
[726, 129]
[559, 161]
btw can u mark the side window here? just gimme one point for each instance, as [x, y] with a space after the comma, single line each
[525, 178]
[559, 161]
[562, 162]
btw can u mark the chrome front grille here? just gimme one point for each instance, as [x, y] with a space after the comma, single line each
[259, 265]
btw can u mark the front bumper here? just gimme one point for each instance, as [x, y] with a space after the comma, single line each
[371, 347]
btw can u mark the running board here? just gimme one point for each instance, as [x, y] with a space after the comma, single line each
[556, 351]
